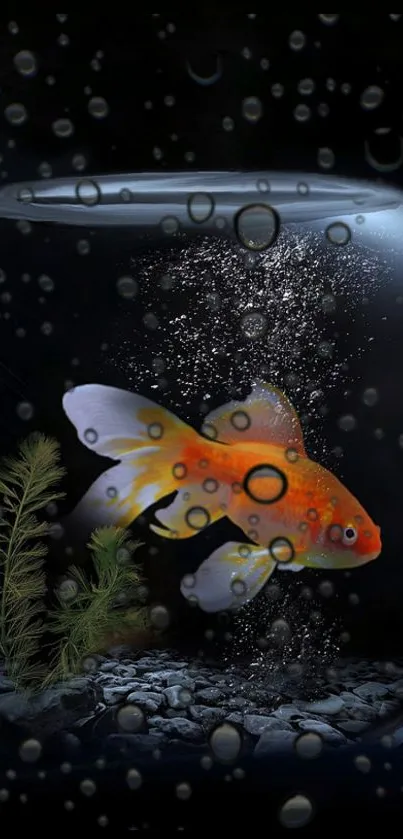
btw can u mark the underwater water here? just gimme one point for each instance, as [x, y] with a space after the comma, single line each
[201, 426]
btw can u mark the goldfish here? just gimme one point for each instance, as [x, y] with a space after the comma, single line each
[247, 463]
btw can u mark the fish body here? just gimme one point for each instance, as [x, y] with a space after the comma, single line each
[248, 464]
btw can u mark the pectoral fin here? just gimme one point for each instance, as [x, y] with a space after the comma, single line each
[192, 510]
[230, 577]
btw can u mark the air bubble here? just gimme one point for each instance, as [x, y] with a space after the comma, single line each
[335, 533]
[200, 207]
[326, 588]
[179, 471]
[326, 159]
[30, 751]
[281, 549]
[197, 518]
[46, 283]
[160, 617]
[79, 162]
[371, 97]
[134, 779]
[67, 591]
[329, 20]
[257, 226]
[130, 718]
[338, 233]
[280, 632]
[16, 113]
[296, 812]
[347, 422]
[254, 325]
[125, 195]
[252, 109]
[170, 225]
[239, 588]
[226, 743]
[88, 192]
[302, 112]
[88, 787]
[183, 791]
[309, 745]
[83, 247]
[189, 581]
[297, 40]
[63, 127]
[265, 484]
[277, 90]
[291, 455]
[90, 436]
[98, 107]
[240, 420]
[25, 410]
[306, 87]
[370, 397]
[112, 492]
[155, 430]
[210, 485]
[127, 287]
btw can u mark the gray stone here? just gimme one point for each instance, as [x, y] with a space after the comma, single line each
[173, 713]
[176, 696]
[207, 717]
[5, 684]
[353, 726]
[147, 700]
[239, 703]
[181, 679]
[363, 711]
[235, 717]
[201, 682]
[388, 706]
[109, 666]
[397, 736]
[329, 734]
[371, 690]
[209, 696]
[52, 709]
[114, 695]
[329, 706]
[178, 727]
[257, 725]
[272, 742]
[289, 713]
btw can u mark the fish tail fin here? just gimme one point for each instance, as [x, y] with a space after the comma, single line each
[147, 440]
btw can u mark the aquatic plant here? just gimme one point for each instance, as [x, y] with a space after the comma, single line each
[98, 609]
[28, 484]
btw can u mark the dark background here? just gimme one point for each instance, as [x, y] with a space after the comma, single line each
[144, 60]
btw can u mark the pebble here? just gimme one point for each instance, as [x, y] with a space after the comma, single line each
[327, 732]
[371, 690]
[176, 696]
[329, 706]
[257, 725]
[114, 695]
[124, 743]
[209, 696]
[271, 742]
[353, 726]
[206, 716]
[147, 700]
[178, 727]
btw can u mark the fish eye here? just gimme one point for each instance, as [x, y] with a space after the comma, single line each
[350, 535]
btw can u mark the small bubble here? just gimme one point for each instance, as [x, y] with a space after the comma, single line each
[103, 821]
[69, 805]
[323, 109]
[160, 617]
[79, 162]
[155, 430]
[206, 762]
[326, 159]
[370, 397]
[226, 743]
[130, 718]
[25, 410]
[210, 485]
[125, 195]
[45, 169]
[46, 283]
[345, 88]
[24, 226]
[98, 107]
[4, 795]
[328, 303]
[16, 113]
[30, 751]
[210, 431]
[302, 112]
[90, 436]
[303, 189]
[63, 39]
[68, 590]
[280, 632]
[338, 233]
[238, 587]
[306, 87]
[183, 791]
[88, 192]
[381, 792]
[13, 27]
[354, 599]
[200, 207]
[134, 779]
[277, 90]
[150, 320]
[46, 328]
[252, 109]
[127, 287]
[83, 247]
[297, 40]
[63, 127]
[228, 124]
[88, 787]
[254, 325]
[179, 471]
[296, 812]
[325, 350]
[197, 518]
[326, 588]
[335, 533]
[265, 484]
[189, 580]
[371, 97]
[281, 550]
[329, 20]
[309, 745]
[257, 226]
[170, 225]
[240, 420]
[347, 422]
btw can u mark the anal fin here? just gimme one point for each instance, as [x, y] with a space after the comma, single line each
[230, 577]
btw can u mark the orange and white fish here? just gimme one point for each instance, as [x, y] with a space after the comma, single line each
[248, 463]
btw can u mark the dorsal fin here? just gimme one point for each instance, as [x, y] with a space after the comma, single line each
[265, 416]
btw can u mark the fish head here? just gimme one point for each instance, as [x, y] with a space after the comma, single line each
[347, 537]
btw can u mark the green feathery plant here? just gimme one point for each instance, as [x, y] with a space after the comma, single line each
[81, 624]
[27, 485]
